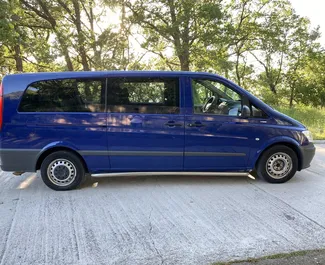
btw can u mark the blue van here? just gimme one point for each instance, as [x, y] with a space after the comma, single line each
[74, 124]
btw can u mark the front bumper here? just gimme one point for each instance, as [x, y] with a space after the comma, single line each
[307, 155]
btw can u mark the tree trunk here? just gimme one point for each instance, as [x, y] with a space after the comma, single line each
[237, 71]
[64, 49]
[96, 62]
[291, 96]
[181, 47]
[81, 37]
[68, 60]
[18, 58]
[125, 39]
[185, 62]
[273, 88]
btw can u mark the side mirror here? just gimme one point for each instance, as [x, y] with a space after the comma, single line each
[245, 111]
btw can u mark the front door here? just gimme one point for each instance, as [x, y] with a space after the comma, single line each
[145, 124]
[216, 136]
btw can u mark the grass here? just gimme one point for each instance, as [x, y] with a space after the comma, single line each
[313, 118]
[276, 256]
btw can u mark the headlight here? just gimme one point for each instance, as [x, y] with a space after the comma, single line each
[308, 135]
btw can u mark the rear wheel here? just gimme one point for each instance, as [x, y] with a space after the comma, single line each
[277, 164]
[62, 170]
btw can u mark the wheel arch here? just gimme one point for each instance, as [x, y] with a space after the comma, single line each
[290, 144]
[51, 150]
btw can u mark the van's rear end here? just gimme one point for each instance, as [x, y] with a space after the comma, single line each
[1, 119]
[47, 125]
[10, 93]
[15, 152]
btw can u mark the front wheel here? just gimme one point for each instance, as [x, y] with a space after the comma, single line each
[62, 170]
[277, 164]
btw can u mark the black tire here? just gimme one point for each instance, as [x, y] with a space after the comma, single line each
[68, 167]
[268, 169]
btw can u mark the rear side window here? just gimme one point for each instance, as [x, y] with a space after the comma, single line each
[143, 95]
[65, 95]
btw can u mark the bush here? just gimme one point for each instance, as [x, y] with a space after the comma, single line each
[312, 118]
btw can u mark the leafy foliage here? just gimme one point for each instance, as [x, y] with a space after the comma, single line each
[263, 45]
[312, 117]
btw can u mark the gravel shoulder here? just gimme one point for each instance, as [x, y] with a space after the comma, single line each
[309, 257]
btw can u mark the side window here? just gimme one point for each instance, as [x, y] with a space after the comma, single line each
[257, 113]
[143, 95]
[212, 97]
[64, 95]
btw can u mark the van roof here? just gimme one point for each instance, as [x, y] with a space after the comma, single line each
[86, 73]
[108, 73]
[19, 82]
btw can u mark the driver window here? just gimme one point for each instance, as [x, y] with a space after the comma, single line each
[212, 97]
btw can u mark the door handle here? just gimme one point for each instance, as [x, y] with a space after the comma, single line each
[173, 124]
[196, 124]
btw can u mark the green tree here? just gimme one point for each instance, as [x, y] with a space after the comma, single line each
[301, 51]
[276, 31]
[310, 80]
[11, 34]
[176, 25]
[50, 16]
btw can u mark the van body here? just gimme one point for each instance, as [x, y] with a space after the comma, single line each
[71, 124]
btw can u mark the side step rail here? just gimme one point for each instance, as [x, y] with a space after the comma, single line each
[126, 174]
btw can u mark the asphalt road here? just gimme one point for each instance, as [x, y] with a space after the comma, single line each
[160, 220]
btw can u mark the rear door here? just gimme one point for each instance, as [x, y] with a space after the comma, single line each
[145, 123]
[216, 136]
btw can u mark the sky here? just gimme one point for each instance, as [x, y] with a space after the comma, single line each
[314, 10]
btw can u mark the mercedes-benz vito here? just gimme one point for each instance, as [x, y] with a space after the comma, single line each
[72, 124]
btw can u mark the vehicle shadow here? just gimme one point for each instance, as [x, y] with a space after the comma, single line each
[33, 181]
[165, 180]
